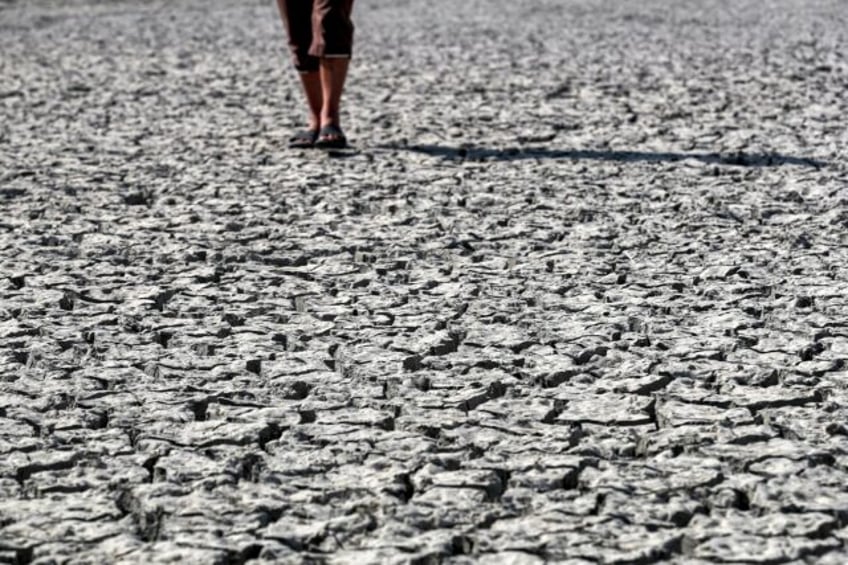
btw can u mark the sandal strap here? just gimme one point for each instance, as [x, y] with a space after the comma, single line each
[303, 139]
[307, 134]
[331, 130]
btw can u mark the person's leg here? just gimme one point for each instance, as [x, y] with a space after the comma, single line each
[297, 18]
[311, 82]
[332, 43]
[333, 74]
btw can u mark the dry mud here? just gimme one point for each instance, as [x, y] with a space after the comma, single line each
[578, 294]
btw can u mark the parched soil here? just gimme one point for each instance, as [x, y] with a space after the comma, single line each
[577, 294]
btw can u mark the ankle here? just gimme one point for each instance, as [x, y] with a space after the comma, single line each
[330, 119]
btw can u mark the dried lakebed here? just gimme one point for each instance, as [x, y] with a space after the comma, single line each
[577, 295]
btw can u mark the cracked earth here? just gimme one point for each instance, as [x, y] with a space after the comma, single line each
[578, 294]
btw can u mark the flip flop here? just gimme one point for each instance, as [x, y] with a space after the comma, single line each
[304, 139]
[339, 141]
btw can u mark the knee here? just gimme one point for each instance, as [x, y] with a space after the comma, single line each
[332, 23]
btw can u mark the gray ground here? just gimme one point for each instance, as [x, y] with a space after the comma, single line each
[579, 294]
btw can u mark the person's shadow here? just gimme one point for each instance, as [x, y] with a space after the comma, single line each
[476, 153]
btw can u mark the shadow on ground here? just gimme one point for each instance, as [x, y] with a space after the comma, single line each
[518, 153]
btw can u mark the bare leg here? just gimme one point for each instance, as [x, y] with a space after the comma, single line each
[333, 73]
[314, 97]
[297, 19]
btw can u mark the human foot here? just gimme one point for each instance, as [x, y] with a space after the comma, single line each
[331, 137]
[304, 139]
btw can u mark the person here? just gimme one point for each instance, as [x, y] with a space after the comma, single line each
[320, 36]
